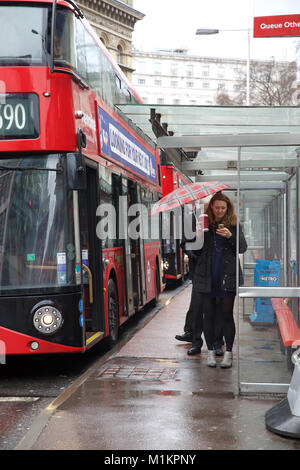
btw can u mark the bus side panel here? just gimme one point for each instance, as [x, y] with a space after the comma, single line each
[174, 257]
[152, 257]
[84, 100]
[167, 180]
[19, 343]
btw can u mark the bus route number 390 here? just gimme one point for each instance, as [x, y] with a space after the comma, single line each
[12, 116]
[19, 116]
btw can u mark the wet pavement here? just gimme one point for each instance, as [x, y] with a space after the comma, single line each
[151, 395]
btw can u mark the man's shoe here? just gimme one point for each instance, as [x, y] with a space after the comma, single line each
[187, 336]
[219, 352]
[193, 351]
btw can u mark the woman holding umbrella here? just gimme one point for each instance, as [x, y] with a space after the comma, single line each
[215, 273]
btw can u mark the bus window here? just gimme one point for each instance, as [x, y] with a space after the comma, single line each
[64, 51]
[37, 246]
[22, 35]
[81, 56]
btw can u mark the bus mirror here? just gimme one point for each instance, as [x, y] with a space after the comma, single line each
[76, 171]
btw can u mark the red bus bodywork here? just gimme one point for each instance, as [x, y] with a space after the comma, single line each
[175, 262]
[65, 106]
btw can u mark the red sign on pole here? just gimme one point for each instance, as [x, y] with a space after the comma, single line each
[274, 26]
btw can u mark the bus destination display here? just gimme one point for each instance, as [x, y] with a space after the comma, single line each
[19, 116]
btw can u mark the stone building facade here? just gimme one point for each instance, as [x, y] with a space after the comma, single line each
[175, 77]
[114, 22]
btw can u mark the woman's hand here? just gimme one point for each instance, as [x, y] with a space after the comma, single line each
[224, 232]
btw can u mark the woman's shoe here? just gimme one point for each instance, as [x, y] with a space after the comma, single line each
[227, 360]
[211, 358]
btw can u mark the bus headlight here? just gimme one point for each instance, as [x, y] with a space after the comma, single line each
[166, 265]
[47, 319]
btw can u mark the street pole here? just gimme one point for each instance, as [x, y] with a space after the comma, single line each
[248, 71]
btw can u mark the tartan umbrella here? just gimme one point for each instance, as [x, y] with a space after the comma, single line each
[187, 194]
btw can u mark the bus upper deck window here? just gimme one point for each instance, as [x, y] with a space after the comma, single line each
[64, 39]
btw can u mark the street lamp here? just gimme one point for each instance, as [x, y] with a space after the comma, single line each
[204, 31]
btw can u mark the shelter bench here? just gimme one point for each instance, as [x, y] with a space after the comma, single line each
[289, 330]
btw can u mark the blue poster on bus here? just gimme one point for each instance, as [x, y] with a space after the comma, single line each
[119, 144]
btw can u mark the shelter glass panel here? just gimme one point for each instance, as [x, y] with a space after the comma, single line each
[268, 216]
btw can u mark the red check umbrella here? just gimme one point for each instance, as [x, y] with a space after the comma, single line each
[186, 194]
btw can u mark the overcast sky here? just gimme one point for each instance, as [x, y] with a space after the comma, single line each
[172, 24]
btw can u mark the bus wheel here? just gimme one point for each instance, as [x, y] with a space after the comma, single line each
[113, 312]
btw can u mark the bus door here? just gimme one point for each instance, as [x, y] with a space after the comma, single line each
[91, 264]
[134, 250]
[172, 254]
[141, 250]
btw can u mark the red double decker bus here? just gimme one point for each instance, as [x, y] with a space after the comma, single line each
[175, 262]
[69, 273]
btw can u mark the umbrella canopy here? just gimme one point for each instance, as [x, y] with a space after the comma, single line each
[187, 194]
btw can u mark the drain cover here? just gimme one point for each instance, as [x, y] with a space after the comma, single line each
[139, 373]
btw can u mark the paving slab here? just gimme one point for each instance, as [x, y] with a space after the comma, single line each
[151, 395]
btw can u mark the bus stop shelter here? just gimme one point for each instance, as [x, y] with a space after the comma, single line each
[256, 151]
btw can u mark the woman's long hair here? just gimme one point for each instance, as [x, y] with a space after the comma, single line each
[230, 218]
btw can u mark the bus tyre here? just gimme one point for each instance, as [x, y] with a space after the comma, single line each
[113, 312]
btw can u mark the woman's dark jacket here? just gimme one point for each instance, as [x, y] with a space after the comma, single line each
[202, 273]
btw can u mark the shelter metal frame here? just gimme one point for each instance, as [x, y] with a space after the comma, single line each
[283, 133]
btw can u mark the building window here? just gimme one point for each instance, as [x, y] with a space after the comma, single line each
[141, 67]
[236, 87]
[173, 69]
[176, 101]
[190, 70]
[236, 72]
[157, 68]
[174, 84]
[221, 86]
[190, 84]
[205, 85]
[103, 40]
[160, 101]
[141, 81]
[221, 72]
[205, 71]
[157, 82]
[119, 54]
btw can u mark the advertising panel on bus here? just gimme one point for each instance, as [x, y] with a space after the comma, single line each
[123, 147]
